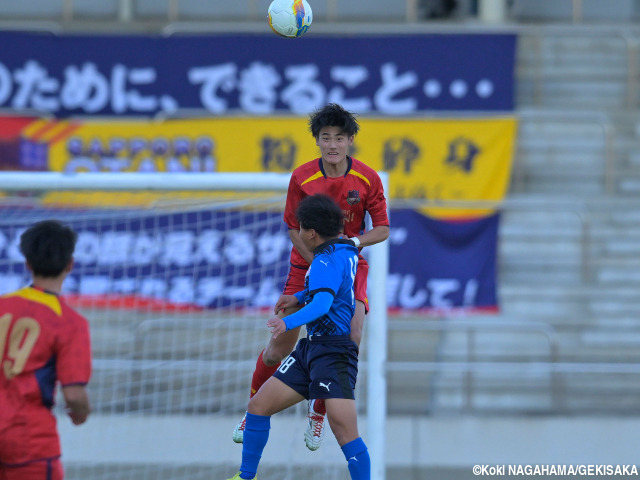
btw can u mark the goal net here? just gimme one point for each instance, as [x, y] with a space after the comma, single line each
[177, 275]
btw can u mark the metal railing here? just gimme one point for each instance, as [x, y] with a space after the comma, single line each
[470, 365]
[560, 395]
[493, 371]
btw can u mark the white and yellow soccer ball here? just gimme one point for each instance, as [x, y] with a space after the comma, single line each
[290, 18]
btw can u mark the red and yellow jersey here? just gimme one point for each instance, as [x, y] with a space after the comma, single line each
[358, 191]
[43, 341]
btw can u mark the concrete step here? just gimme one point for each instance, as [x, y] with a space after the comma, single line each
[536, 182]
[572, 161]
[629, 185]
[624, 275]
[575, 95]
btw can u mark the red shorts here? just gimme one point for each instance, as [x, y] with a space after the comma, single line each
[295, 281]
[49, 469]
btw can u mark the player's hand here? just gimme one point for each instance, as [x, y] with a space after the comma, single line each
[277, 326]
[285, 301]
[344, 236]
[77, 418]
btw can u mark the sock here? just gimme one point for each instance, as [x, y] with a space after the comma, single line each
[261, 374]
[358, 459]
[256, 434]
[318, 406]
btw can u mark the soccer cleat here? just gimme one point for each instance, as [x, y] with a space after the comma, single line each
[315, 428]
[238, 477]
[238, 432]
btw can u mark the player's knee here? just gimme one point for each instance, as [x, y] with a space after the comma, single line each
[255, 406]
[271, 357]
[279, 348]
[275, 353]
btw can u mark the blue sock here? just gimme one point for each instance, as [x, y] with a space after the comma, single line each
[358, 459]
[256, 434]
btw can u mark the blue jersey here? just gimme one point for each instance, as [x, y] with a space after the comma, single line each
[333, 270]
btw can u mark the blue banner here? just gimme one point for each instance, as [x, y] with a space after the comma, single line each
[240, 259]
[442, 265]
[255, 74]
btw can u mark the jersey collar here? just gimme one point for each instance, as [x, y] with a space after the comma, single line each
[349, 164]
[333, 241]
[43, 290]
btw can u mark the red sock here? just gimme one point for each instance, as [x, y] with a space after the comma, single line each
[318, 407]
[261, 374]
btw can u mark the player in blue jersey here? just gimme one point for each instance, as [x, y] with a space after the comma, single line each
[325, 363]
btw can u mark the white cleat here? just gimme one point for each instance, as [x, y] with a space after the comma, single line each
[315, 428]
[238, 432]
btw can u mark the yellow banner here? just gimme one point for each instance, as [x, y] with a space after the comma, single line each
[461, 160]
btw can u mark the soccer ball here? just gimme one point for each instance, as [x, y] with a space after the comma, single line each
[290, 18]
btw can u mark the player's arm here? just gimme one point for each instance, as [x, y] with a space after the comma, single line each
[377, 209]
[319, 305]
[73, 368]
[288, 301]
[295, 239]
[77, 401]
[375, 235]
[294, 196]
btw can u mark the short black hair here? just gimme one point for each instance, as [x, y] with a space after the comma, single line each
[321, 213]
[333, 115]
[48, 247]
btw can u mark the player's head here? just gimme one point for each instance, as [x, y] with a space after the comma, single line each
[333, 115]
[321, 214]
[48, 248]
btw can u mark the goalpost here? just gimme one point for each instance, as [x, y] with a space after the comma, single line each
[177, 275]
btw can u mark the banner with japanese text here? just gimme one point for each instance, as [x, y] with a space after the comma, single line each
[432, 159]
[130, 258]
[140, 75]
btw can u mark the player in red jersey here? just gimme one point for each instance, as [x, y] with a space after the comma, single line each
[42, 342]
[357, 189]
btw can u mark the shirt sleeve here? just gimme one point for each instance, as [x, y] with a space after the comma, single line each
[377, 203]
[324, 275]
[74, 354]
[300, 297]
[294, 195]
[319, 305]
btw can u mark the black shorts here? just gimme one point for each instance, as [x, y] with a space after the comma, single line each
[322, 367]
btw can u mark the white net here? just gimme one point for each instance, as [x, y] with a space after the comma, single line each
[177, 294]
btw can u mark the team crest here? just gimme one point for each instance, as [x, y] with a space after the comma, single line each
[353, 197]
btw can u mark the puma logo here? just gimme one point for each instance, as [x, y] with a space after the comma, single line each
[325, 263]
[353, 458]
[325, 385]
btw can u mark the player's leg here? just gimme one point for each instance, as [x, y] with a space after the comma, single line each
[281, 346]
[344, 425]
[273, 397]
[267, 363]
[316, 410]
[269, 359]
[333, 372]
[288, 386]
